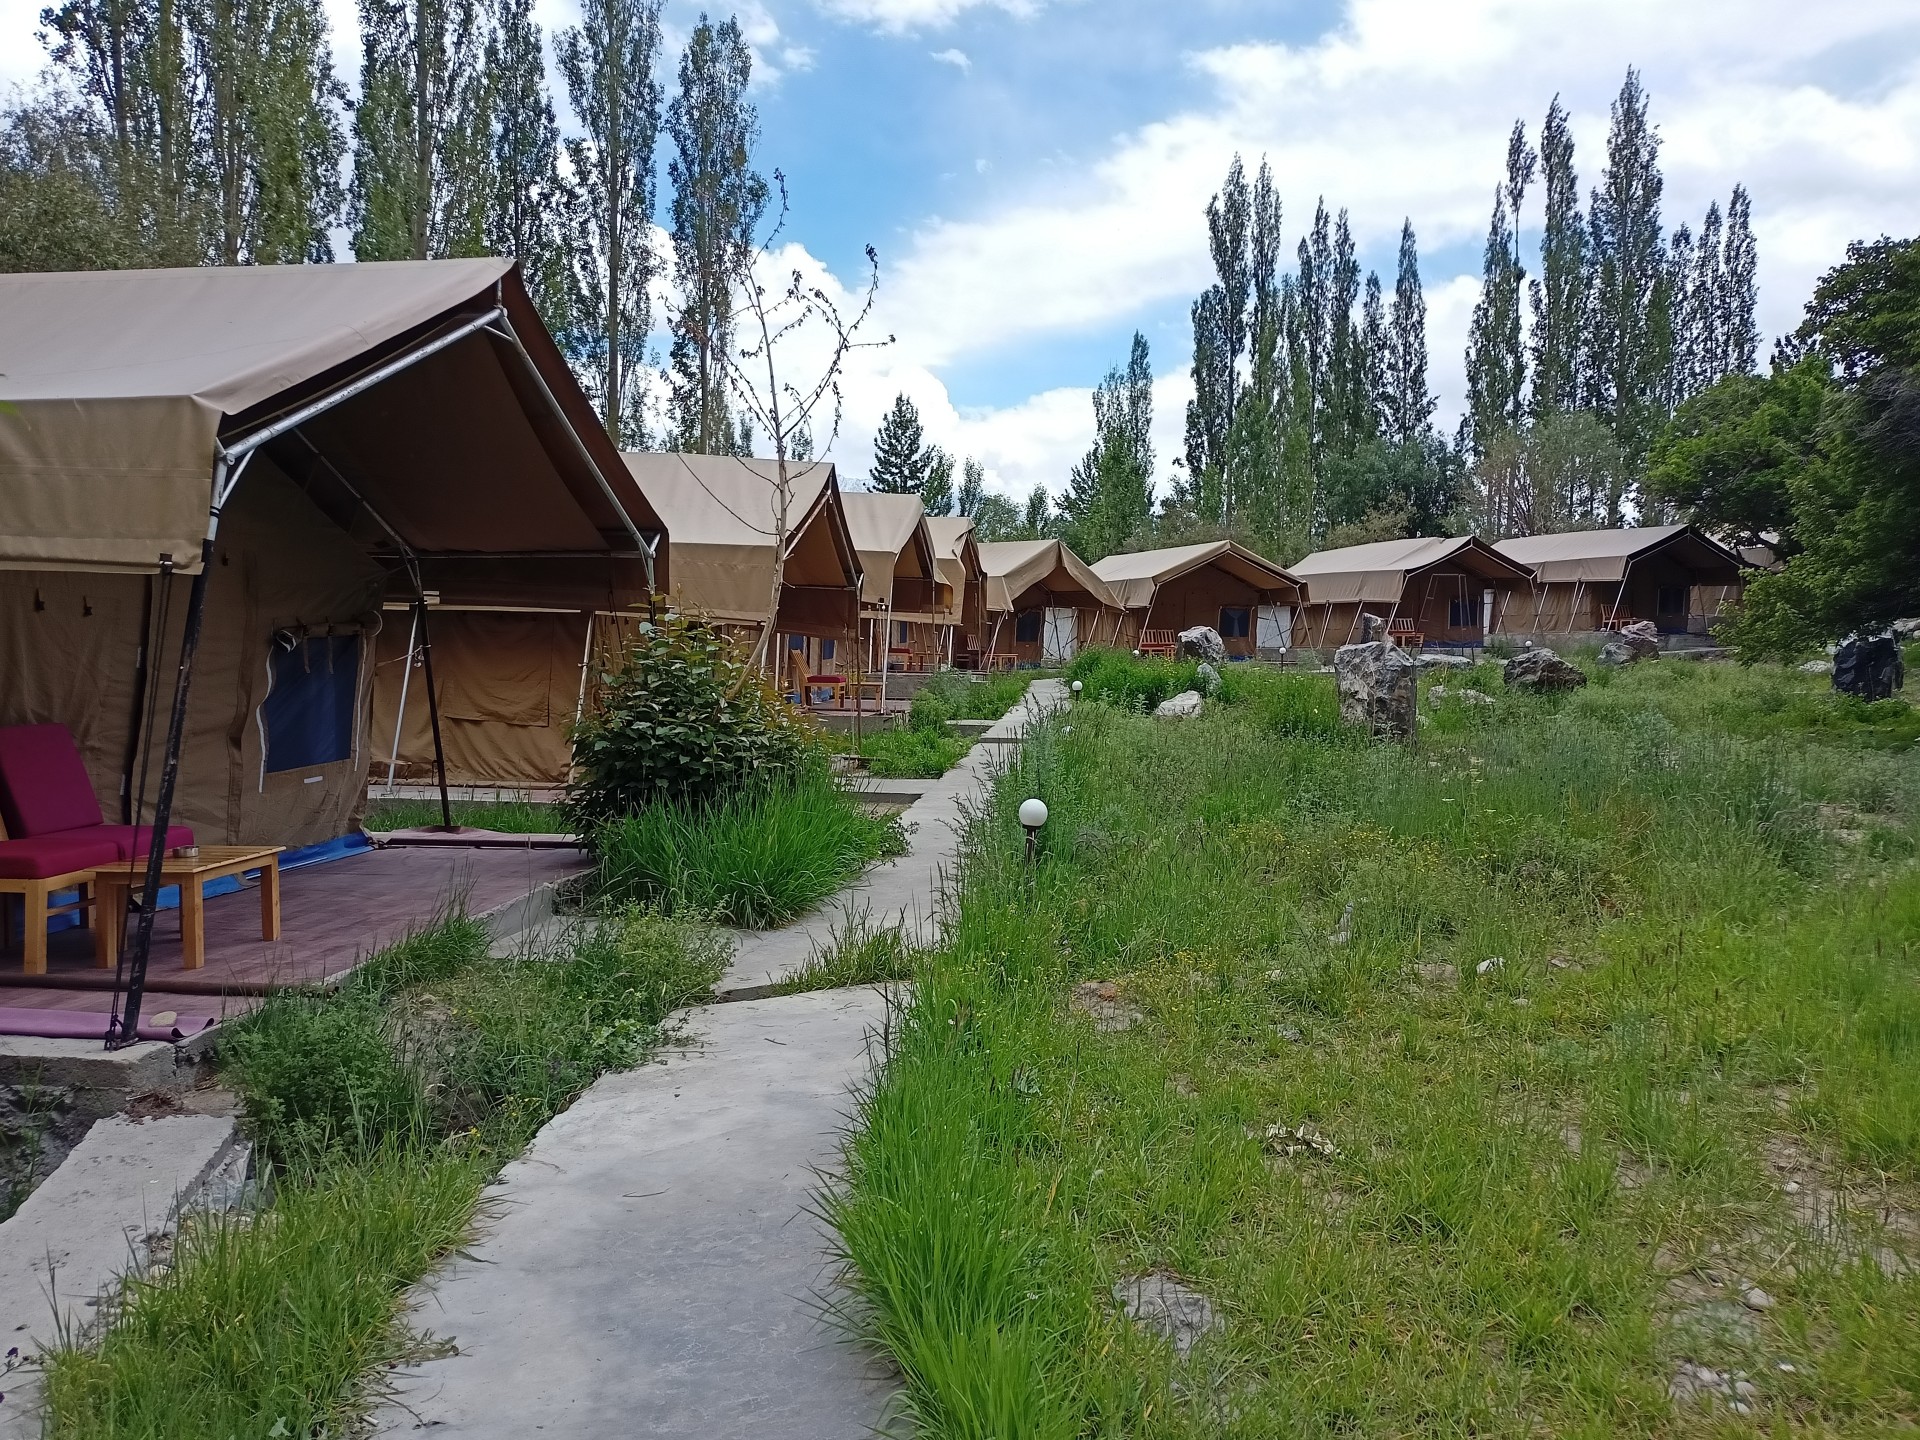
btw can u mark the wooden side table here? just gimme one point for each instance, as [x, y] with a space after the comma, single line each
[190, 873]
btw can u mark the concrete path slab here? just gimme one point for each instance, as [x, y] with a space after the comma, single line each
[904, 892]
[651, 1268]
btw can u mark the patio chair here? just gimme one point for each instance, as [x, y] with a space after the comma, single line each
[46, 795]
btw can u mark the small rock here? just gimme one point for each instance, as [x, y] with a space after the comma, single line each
[1301, 1139]
[1560, 962]
[1203, 642]
[1208, 678]
[1437, 973]
[1100, 1002]
[1490, 964]
[1343, 932]
[1290, 1033]
[1160, 1302]
[1817, 667]
[1436, 660]
[1754, 1298]
[1184, 706]
[1541, 670]
[1470, 696]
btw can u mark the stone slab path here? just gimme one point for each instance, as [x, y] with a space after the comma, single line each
[651, 1265]
[905, 892]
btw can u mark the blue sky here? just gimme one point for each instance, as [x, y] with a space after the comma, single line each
[1034, 172]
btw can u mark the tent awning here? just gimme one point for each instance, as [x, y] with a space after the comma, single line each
[1378, 573]
[1603, 556]
[722, 512]
[419, 403]
[896, 552]
[1134, 578]
[1021, 572]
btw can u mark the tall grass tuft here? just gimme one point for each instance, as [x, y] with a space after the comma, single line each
[511, 817]
[756, 859]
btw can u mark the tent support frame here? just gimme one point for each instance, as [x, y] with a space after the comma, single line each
[229, 464]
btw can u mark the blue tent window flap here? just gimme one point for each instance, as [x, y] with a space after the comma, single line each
[312, 704]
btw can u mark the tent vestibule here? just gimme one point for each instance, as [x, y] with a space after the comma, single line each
[1044, 604]
[1677, 576]
[1447, 591]
[1249, 600]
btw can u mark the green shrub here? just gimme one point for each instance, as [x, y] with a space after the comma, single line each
[756, 858]
[1131, 682]
[684, 720]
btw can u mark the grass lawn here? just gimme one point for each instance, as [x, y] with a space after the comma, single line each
[1480, 1086]
[755, 860]
[513, 817]
[383, 1110]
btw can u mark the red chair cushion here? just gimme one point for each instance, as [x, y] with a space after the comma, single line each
[43, 857]
[43, 782]
[122, 838]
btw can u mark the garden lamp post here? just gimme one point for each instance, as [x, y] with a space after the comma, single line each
[1033, 814]
[1076, 689]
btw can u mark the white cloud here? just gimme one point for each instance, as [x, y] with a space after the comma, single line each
[956, 58]
[1403, 110]
[903, 15]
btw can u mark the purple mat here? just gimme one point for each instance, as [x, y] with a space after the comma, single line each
[92, 1024]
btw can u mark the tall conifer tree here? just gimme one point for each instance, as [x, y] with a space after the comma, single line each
[900, 454]
[1408, 407]
[1559, 296]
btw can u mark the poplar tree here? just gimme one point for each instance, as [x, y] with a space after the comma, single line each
[1407, 407]
[1109, 498]
[1559, 296]
[718, 200]
[1739, 260]
[900, 455]
[273, 139]
[936, 496]
[1220, 321]
[973, 487]
[609, 63]
[1632, 328]
[1496, 357]
[421, 132]
[1345, 378]
[527, 197]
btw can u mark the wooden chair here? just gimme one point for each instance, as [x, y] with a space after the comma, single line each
[1402, 633]
[835, 685]
[1164, 643]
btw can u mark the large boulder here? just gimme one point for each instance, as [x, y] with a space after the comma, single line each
[1869, 666]
[1207, 678]
[1541, 669]
[1184, 706]
[1372, 627]
[1376, 681]
[1642, 637]
[1203, 642]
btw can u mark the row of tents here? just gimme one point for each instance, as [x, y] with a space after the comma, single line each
[275, 530]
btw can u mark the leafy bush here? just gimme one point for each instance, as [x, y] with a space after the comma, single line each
[756, 858]
[684, 720]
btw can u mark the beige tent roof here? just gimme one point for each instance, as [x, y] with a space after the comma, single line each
[1604, 555]
[890, 532]
[1379, 572]
[1135, 577]
[721, 512]
[121, 388]
[962, 578]
[1016, 567]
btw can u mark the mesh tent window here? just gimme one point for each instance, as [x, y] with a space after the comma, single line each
[1026, 627]
[1235, 622]
[313, 694]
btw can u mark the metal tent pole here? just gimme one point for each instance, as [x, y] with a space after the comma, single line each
[433, 713]
[400, 719]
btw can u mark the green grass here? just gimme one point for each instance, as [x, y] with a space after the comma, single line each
[755, 860]
[913, 753]
[512, 817]
[383, 1110]
[1700, 883]
[858, 953]
[969, 695]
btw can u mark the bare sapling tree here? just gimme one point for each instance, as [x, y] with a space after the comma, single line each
[798, 326]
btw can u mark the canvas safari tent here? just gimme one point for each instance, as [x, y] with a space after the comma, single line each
[898, 572]
[952, 633]
[210, 481]
[1044, 603]
[1445, 591]
[722, 513]
[1248, 599]
[1674, 575]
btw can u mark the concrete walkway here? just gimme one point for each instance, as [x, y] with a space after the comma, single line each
[653, 1269]
[903, 893]
[651, 1266]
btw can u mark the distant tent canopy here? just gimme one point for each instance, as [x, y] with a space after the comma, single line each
[896, 551]
[723, 514]
[963, 578]
[297, 439]
[1677, 576]
[1044, 602]
[1223, 585]
[1442, 588]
